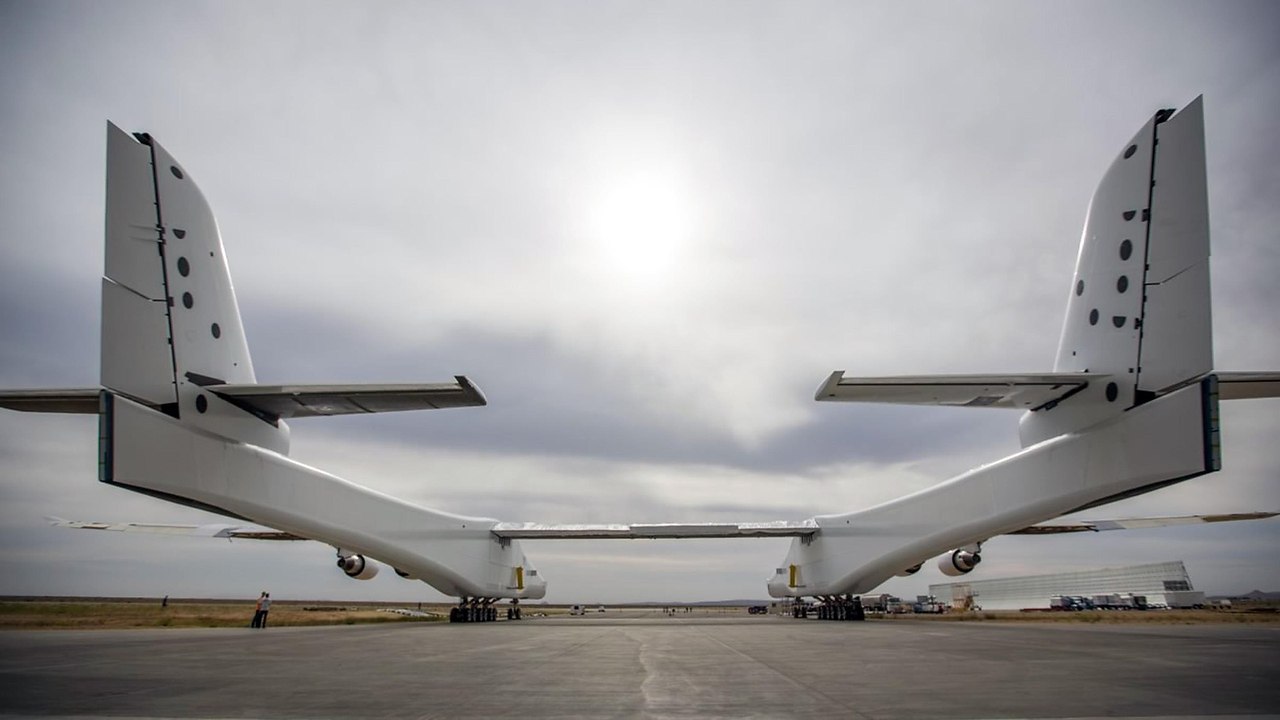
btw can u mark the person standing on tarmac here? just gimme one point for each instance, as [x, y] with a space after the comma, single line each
[260, 611]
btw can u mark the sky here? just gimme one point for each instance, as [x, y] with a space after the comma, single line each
[648, 231]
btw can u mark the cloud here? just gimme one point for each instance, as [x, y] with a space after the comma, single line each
[412, 192]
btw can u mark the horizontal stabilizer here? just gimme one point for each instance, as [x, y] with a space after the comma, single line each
[1019, 392]
[1136, 523]
[541, 531]
[71, 400]
[216, 530]
[295, 401]
[1248, 385]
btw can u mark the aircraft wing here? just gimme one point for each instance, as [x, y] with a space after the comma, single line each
[1020, 392]
[641, 531]
[294, 401]
[1072, 526]
[1247, 385]
[67, 400]
[216, 530]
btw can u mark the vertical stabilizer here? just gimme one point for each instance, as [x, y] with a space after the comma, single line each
[1138, 309]
[171, 324]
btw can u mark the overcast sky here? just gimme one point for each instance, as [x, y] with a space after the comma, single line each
[647, 231]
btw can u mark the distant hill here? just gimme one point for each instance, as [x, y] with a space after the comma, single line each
[1251, 595]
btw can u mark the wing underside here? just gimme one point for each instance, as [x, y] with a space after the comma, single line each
[296, 401]
[1248, 385]
[1074, 526]
[278, 401]
[216, 530]
[82, 401]
[653, 531]
[1020, 392]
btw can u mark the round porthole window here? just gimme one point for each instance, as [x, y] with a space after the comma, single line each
[1093, 316]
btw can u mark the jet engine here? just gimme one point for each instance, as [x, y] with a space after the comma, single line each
[357, 566]
[958, 562]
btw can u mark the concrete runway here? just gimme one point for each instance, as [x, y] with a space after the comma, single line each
[624, 665]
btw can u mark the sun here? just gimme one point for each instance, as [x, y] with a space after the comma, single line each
[640, 225]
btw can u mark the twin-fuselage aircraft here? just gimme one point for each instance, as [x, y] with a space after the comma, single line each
[1130, 406]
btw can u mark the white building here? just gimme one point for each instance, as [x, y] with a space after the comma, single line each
[1159, 582]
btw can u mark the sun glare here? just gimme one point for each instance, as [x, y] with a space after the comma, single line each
[640, 226]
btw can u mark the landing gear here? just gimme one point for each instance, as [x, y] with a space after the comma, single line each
[833, 607]
[800, 609]
[471, 610]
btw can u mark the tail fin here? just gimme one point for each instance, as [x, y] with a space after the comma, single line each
[1139, 307]
[170, 322]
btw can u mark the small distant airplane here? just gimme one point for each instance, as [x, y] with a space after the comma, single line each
[1130, 407]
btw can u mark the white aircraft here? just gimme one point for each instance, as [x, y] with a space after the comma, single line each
[1130, 407]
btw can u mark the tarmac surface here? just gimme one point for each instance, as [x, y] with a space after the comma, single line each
[645, 664]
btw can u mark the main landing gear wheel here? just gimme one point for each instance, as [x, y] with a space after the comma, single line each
[469, 610]
[843, 608]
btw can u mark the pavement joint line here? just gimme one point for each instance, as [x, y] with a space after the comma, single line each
[785, 675]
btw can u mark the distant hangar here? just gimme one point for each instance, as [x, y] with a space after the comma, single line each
[1165, 583]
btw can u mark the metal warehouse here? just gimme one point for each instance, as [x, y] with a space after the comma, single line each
[1165, 583]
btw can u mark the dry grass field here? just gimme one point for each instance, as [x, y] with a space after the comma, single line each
[109, 613]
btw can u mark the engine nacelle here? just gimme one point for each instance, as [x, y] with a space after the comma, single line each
[958, 562]
[911, 570]
[358, 567]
